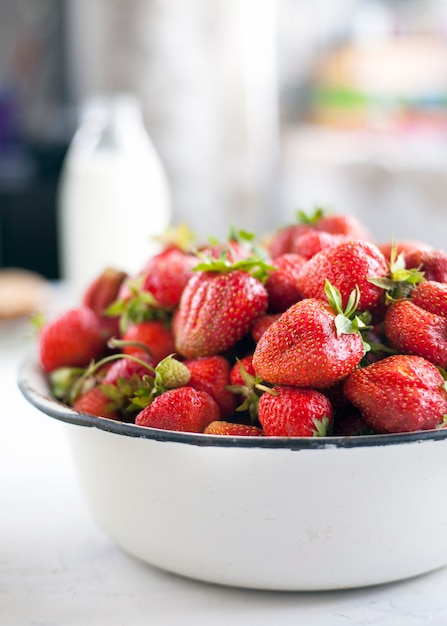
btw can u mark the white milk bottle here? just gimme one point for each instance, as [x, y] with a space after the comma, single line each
[113, 194]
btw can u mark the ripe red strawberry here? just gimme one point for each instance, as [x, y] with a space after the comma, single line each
[72, 339]
[413, 330]
[183, 409]
[294, 412]
[104, 290]
[155, 335]
[281, 282]
[212, 374]
[347, 225]
[309, 346]
[431, 296]
[217, 309]
[231, 429]
[307, 244]
[262, 323]
[282, 241]
[246, 363]
[400, 393]
[95, 402]
[167, 274]
[432, 262]
[346, 266]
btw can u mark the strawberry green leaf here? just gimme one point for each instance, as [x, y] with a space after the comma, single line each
[321, 427]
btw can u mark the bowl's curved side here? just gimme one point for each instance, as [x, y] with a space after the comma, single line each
[277, 519]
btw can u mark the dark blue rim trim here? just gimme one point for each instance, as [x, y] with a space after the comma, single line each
[33, 385]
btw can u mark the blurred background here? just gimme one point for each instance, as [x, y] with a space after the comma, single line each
[255, 108]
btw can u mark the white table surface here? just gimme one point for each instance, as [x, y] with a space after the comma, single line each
[57, 568]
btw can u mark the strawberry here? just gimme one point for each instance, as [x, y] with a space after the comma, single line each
[152, 336]
[312, 344]
[432, 262]
[100, 294]
[411, 329]
[401, 393]
[166, 275]
[231, 429]
[72, 339]
[346, 266]
[218, 308]
[347, 225]
[243, 364]
[283, 240]
[405, 246]
[262, 323]
[212, 374]
[281, 282]
[182, 409]
[431, 296]
[95, 402]
[308, 243]
[293, 412]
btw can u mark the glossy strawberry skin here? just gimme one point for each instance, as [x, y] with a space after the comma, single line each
[72, 339]
[302, 348]
[281, 283]
[293, 412]
[413, 330]
[167, 274]
[100, 293]
[154, 334]
[431, 296]
[94, 402]
[216, 311]
[346, 266]
[212, 374]
[231, 429]
[183, 409]
[400, 393]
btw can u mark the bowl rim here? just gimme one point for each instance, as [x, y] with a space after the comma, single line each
[33, 385]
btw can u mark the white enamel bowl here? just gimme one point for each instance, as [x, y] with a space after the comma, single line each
[264, 513]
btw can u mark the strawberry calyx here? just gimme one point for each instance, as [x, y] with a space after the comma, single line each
[321, 426]
[254, 265]
[310, 218]
[169, 373]
[141, 306]
[251, 391]
[180, 236]
[401, 280]
[346, 320]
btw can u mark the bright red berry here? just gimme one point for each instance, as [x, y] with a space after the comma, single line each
[183, 409]
[294, 412]
[212, 374]
[400, 393]
[72, 339]
[154, 334]
[346, 266]
[216, 311]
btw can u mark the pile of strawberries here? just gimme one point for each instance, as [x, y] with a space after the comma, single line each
[316, 331]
